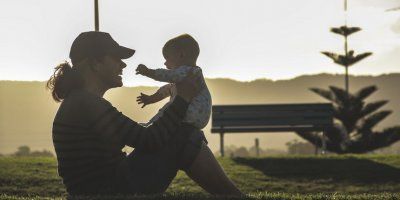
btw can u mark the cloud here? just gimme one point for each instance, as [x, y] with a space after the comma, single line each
[393, 5]
[388, 60]
[396, 26]
[385, 4]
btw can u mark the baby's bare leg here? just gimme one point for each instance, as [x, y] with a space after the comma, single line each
[207, 172]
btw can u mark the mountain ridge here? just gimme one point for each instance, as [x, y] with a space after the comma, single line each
[27, 110]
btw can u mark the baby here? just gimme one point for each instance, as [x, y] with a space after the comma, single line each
[180, 55]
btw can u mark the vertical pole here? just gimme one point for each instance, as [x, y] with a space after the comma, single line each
[96, 15]
[347, 80]
[346, 52]
[257, 145]
[221, 135]
[345, 12]
[323, 149]
[316, 145]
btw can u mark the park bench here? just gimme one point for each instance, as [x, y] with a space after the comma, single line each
[270, 118]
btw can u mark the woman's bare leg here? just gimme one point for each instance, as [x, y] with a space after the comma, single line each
[207, 172]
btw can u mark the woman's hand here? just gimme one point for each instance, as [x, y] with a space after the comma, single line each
[189, 87]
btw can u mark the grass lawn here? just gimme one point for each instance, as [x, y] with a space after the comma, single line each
[295, 177]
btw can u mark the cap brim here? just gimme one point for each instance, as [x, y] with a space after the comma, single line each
[124, 52]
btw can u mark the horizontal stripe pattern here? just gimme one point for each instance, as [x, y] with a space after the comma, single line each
[88, 151]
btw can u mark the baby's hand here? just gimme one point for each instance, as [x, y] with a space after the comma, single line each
[141, 69]
[144, 99]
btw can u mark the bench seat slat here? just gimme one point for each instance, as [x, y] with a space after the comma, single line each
[267, 114]
[266, 129]
[271, 107]
[271, 117]
[271, 121]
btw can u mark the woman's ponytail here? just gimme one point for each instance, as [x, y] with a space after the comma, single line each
[64, 79]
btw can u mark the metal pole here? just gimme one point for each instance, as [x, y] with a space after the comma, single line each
[222, 144]
[323, 149]
[257, 145]
[96, 15]
[316, 146]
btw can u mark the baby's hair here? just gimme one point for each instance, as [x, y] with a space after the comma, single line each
[183, 43]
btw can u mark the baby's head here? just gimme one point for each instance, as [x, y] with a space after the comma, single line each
[181, 50]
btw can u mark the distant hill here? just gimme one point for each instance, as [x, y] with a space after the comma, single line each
[27, 110]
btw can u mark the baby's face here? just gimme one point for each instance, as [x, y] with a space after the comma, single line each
[171, 61]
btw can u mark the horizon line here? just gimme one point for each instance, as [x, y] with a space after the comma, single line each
[247, 81]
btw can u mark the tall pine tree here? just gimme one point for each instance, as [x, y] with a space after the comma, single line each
[355, 119]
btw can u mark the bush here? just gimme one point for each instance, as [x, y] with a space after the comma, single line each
[26, 151]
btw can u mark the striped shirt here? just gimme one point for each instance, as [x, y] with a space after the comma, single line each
[89, 133]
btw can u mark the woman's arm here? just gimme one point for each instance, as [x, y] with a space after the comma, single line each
[118, 129]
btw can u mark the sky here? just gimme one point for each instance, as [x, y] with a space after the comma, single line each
[239, 39]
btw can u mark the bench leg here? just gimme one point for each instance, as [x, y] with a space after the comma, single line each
[221, 135]
[323, 148]
[316, 148]
[257, 145]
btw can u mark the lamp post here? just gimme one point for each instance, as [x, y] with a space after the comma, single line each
[96, 15]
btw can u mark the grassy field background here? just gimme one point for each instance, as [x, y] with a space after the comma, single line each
[289, 177]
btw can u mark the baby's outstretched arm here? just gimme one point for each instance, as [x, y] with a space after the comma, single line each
[145, 71]
[161, 94]
[166, 75]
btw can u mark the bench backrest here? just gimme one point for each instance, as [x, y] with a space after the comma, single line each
[271, 117]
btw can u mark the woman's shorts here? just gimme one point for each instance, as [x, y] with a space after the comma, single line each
[152, 172]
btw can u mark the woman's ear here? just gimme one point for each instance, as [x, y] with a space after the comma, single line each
[94, 65]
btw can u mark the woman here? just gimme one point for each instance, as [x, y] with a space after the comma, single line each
[89, 133]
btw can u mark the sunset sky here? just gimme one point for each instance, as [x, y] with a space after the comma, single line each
[239, 39]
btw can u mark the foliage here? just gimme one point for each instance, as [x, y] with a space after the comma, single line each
[26, 151]
[345, 31]
[296, 147]
[354, 132]
[346, 60]
[233, 151]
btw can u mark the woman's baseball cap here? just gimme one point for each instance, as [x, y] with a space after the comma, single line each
[95, 44]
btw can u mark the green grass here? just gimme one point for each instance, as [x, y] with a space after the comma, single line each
[295, 177]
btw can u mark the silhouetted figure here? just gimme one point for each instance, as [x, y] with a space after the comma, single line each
[180, 55]
[89, 133]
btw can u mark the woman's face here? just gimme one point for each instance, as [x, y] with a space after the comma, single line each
[110, 71]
